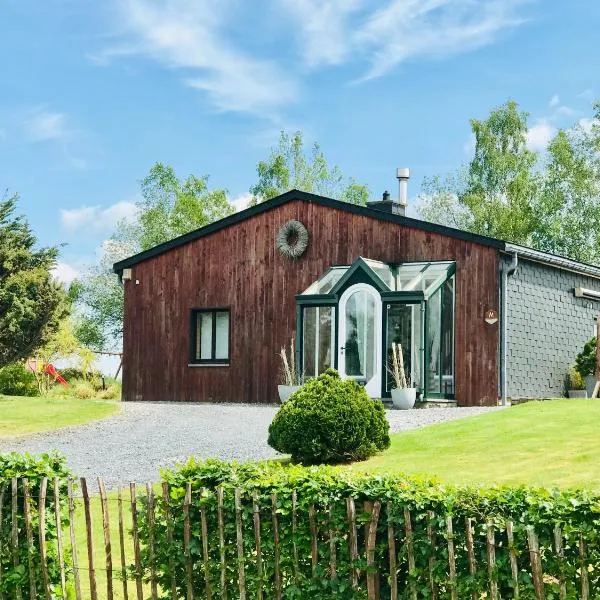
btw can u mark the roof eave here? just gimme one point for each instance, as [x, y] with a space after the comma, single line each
[310, 198]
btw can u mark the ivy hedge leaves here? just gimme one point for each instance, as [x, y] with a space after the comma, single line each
[297, 500]
[34, 469]
[330, 420]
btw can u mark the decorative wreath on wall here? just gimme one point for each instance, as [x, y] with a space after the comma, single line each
[292, 239]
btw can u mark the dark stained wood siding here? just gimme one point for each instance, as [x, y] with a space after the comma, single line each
[239, 268]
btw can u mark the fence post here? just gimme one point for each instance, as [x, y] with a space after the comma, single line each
[204, 531]
[314, 550]
[107, 542]
[29, 534]
[74, 556]
[122, 544]
[431, 537]
[221, 528]
[14, 540]
[491, 556]
[471, 552]
[59, 538]
[451, 558]
[1, 537]
[410, 553]
[392, 551]
[585, 583]
[90, 538]
[276, 550]
[136, 542]
[352, 540]
[332, 548]
[189, 572]
[240, 543]
[512, 553]
[372, 574]
[560, 555]
[256, 523]
[536, 563]
[151, 548]
[295, 535]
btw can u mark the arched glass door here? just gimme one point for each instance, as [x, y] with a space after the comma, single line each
[359, 354]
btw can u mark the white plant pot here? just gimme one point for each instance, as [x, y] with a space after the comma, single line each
[404, 398]
[577, 393]
[285, 391]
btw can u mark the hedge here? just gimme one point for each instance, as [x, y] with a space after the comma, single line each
[314, 500]
[34, 469]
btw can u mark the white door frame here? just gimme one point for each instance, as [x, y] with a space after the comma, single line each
[373, 386]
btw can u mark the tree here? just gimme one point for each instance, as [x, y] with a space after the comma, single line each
[290, 167]
[169, 207]
[568, 221]
[493, 195]
[549, 202]
[32, 304]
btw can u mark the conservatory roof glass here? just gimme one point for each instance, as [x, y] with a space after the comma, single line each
[423, 277]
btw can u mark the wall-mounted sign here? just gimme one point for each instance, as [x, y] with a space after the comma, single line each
[491, 316]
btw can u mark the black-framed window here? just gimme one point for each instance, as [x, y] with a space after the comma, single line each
[210, 336]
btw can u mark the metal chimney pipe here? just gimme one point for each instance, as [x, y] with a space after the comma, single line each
[403, 175]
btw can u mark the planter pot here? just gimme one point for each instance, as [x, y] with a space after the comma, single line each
[285, 391]
[590, 384]
[404, 398]
[577, 393]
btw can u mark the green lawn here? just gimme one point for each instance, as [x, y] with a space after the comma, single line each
[22, 415]
[552, 443]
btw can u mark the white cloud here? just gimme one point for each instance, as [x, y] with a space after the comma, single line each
[42, 125]
[539, 136]
[241, 202]
[194, 37]
[96, 217]
[324, 28]
[587, 124]
[188, 35]
[587, 95]
[65, 273]
[554, 101]
[408, 29]
[469, 145]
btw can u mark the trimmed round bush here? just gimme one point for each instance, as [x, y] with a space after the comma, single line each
[330, 420]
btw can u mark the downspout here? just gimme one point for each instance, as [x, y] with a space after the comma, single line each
[507, 271]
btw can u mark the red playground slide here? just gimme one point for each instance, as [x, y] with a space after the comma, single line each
[50, 370]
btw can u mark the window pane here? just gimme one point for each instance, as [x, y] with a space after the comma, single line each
[359, 345]
[204, 336]
[222, 335]
[448, 337]
[399, 331]
[309, 341]
[317, 340]
[326, 334]
[433, 343]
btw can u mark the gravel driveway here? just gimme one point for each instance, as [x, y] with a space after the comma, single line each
[134, 444]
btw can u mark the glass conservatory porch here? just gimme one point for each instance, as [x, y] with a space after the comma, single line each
[350, 317]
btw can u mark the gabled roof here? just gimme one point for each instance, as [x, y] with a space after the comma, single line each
[550, 259]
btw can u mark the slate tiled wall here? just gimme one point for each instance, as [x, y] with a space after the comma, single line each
[546, 328]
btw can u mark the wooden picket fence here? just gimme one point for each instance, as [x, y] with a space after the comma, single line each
[110, 566]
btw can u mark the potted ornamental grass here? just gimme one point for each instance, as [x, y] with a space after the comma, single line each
[576, 387]
[403, 396]
[291, 380]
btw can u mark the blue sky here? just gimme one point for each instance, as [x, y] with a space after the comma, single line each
[93, 93]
